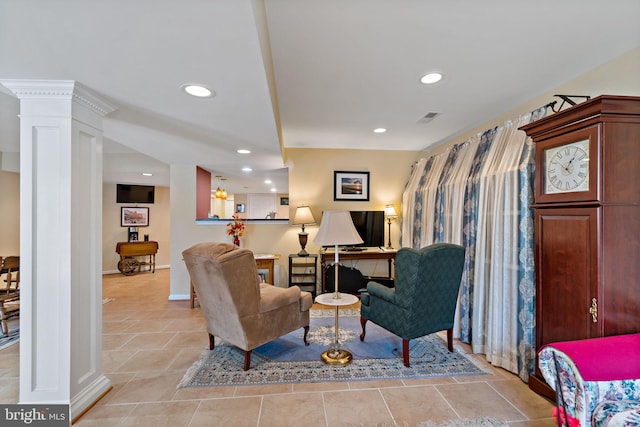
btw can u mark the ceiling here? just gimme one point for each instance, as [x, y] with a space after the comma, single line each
[298, 73]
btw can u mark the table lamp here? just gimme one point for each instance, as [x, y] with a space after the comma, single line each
[390, 213]
[303, 216]
[336, 229]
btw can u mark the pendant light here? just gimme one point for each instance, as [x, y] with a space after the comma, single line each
[219, 191]
[223, 193]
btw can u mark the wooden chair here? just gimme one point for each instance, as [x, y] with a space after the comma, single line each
[10, 298]
[11, 265]
[9, 307]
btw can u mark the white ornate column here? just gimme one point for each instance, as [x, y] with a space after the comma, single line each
[60, 243]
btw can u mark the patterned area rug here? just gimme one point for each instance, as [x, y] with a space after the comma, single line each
[466, 422]
[288, 360]
[12, 338]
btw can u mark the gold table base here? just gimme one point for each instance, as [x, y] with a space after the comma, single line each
[336, 357]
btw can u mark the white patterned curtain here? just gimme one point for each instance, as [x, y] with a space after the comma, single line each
[477, 194]
[452, 193]
[412, 204]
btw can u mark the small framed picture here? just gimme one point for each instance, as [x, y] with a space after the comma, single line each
[284, 201]
[350, 186]
[134, 217]
[240, 208]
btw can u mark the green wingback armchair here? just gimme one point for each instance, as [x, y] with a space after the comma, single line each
[424, 298]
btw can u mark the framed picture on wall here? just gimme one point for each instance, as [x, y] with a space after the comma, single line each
[134, 217]
[284, 201]
[350, 186]
[240, 208]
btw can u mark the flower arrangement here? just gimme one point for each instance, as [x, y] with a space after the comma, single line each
[235, 229]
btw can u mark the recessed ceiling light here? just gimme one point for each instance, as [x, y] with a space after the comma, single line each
[147, 174]
[246, 169]
[243, 151]
[198, 90]
[431, 78]
[380, 130]
[267, 181]
[273, 190]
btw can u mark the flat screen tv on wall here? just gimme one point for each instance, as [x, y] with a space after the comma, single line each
[370, 226]
[126, 193]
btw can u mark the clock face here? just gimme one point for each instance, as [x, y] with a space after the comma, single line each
[567, 168]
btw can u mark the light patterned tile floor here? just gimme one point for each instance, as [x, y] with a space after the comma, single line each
[149, 342]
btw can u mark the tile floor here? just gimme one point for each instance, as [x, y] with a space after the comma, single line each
[149, 342]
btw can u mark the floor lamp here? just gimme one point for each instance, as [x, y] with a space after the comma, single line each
[336, 228]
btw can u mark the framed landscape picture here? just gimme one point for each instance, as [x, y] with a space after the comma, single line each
[134, 217]
[350, 186]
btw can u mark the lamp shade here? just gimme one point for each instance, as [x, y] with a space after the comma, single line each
[303, 216]
[390, 211]
[336, 228]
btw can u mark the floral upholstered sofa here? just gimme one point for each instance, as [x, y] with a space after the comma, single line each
[599, 379]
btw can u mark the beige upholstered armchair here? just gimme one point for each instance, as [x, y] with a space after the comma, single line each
[237, 307]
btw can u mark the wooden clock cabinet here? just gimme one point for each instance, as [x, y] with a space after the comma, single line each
[587, 222]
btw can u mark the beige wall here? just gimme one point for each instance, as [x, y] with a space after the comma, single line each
[617, 77]
[311, 183]
[9, 213]
[282, 211]
[112, 232]
[265, 237]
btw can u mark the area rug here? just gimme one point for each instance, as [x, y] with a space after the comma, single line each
[288, 360]
[12, 338]
[466, 422]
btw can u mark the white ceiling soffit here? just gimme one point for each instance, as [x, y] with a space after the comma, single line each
[344, 68]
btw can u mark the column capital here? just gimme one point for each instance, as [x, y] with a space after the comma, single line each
[58, 90]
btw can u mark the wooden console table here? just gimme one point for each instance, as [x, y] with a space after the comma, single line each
[263, 262]
[327, 256]
[267, 262]
[128, 264]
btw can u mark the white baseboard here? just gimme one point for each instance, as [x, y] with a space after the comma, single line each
[179, 297]
[89, 396]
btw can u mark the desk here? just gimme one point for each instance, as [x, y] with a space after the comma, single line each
[267, 262]
[263, 262]
[328, 256]
[128, 264]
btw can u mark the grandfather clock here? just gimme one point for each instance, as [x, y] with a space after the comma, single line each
[587, 222]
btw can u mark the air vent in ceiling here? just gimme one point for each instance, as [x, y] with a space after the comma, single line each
[427, 117]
